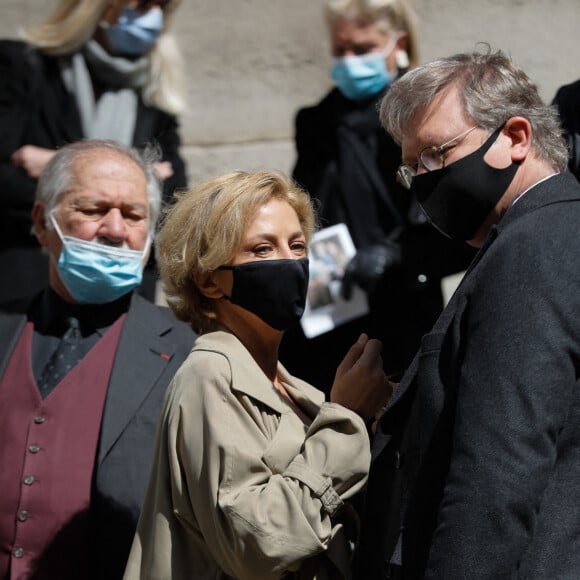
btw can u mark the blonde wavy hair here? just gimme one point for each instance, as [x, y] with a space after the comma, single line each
[74, 22]
[388, 15]
[205, 228]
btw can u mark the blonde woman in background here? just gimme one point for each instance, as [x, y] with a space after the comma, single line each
[95, 69]
[252, 470]
[348, 163]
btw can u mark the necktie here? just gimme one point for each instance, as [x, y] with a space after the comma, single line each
[64, 358]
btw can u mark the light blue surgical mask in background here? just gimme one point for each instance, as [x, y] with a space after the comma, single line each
[94, 273]
[135, 32]
[361, 77]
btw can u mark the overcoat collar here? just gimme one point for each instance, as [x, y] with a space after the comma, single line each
[248, 378]
[559, 188]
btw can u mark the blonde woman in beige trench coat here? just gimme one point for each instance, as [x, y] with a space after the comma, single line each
[253, 470]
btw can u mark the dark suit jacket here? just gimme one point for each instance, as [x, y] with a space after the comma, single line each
[152, 346]
[36, 109]
[477, 458]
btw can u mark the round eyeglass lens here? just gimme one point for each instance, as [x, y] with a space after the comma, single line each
[431, 159]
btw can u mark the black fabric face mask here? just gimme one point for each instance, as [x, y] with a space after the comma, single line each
[273, 290]
[458, 198]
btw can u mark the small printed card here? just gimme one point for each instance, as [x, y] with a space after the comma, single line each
[330, 251]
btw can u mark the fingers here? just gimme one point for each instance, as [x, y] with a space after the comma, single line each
[360, 383]
[163, 170]
[17, 157]
[353, 354]
[372, 352]
[32, 159]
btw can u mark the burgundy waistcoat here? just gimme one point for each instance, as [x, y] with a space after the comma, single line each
[47, 457]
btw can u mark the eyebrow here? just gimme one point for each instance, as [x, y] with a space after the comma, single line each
[80, 199]
[272, 237]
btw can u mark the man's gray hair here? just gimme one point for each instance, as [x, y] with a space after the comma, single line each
[58, 174]
[493, 89]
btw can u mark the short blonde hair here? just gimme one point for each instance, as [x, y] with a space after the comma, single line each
[205, 228]
[74, 22]
[388, 15]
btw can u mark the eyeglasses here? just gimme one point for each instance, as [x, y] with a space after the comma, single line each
[431, 158]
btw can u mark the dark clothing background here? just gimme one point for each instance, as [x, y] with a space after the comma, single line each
[476, 459]
[36, 109]
[348, 163]
[567, 102]
[152, 346]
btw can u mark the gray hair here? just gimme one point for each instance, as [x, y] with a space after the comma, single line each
[493, 89]
[58, 174]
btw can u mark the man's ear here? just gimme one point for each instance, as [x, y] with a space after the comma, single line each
[39, 219]
[207, 285]
[519, 131]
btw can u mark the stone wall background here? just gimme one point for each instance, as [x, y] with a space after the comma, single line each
[252, 63]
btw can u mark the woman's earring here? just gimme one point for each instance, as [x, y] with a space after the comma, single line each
[402, 59]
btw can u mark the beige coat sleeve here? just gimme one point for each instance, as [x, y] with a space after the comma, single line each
[250, 485]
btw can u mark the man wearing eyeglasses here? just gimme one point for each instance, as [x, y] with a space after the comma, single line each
[476, 469]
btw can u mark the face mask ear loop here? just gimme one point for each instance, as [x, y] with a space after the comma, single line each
[55, 225]
[387, 52]
[392, 44]
[147, 247]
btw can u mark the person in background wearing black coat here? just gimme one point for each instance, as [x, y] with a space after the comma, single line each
[348, 164]
[567, 102]
[94, 69]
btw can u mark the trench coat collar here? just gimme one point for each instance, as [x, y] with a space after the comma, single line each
[248, 378]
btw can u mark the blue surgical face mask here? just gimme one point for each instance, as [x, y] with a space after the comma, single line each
[135, 32]
[361, 77]
[94, 273]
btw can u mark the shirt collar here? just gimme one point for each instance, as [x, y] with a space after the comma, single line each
[528, 189]
[50, 312]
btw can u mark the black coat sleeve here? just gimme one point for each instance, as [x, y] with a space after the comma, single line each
[17, 92]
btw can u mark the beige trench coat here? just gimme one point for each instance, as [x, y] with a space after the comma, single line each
[240, 487]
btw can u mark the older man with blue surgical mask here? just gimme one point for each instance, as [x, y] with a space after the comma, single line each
[83, 371]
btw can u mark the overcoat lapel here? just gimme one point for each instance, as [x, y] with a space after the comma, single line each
[142, 356]
[10, 329]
